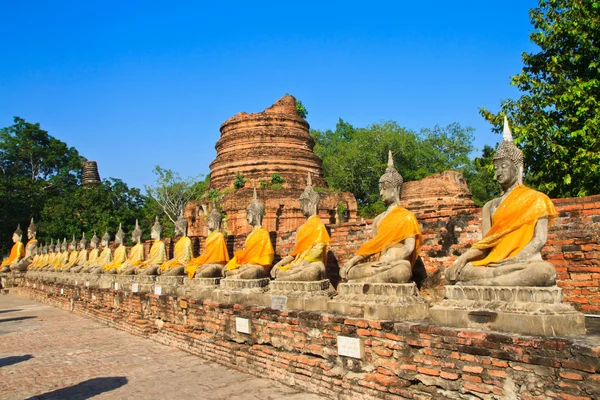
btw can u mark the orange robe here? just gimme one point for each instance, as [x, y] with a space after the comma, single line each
[257, 250]
[16, 252]
[215, 253]
[157, 256]
[513, 224]
[119, 258]
[182, 256]
[311, 243]
[398, 225]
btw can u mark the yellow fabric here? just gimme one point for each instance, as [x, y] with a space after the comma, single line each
[72, 260]
[513, 224]
[31, 243]
[182, 254]
[398, 225]
[215, 253]
[16, 252]
[157, 256]
[92, 257]
[105, 257]
[60, 260]
[34, 261]
[257, 250]
[119, 258]
[311, 243]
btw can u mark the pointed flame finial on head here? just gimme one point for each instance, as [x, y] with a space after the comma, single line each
[309, 179]
[507, 134]
[254, 196]
[390, 159]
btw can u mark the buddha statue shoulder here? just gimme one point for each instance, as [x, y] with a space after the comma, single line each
[17, 251]
[255, 259]
[182, 253]
[515, 228]
[120, 254]
[396, 239]
[210, 263]
[307, 261]
[158, 253]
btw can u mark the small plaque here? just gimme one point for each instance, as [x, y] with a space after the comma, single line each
[278, 302]
[87, 283]
[157, 290]
[135, 288]
[42, 287]
[50, 290]
[27, 283]
[34, 285]
[62, 291]
[93, 297]
[242, 325]
[76, 283]
[350, 347]
[116, 285]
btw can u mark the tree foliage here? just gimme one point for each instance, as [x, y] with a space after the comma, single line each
[557, 118]
[481, 177]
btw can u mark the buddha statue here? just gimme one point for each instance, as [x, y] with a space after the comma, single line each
[43, 260]
[183, 251]
[136, 253]
[210, 263]
[158, 253]
[30, 249]
[105, 257]
[17, 251]
[85, 258]
[307, 261]
[82, 255]
[39, 256]
[120, 255]
[73, 254]
[396, 238]
[515, 228]
[62, 257]
[254, 260]
[49, 260]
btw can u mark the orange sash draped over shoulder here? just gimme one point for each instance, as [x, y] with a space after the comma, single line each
[311, 235]
[215, 253]
[513, 224]
[398, 225]
[257, 250]
[16, 252]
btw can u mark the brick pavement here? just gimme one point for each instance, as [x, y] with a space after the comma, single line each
[46, 353]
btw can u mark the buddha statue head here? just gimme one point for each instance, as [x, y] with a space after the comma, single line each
[64, 245]
[390, 183]
[45, 248]
[136, 235]
[119, 236]
[214, 219]
[18, 234]
[309, 199]
[94, 241]
[31, 230]
[51, 248]
[508, 160]
[106, 238]
[83, 242]
[255, 211]
[156, 229]
[181, 225]
[73, 244]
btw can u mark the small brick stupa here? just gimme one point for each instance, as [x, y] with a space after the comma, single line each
[90, 173]
[257, 146]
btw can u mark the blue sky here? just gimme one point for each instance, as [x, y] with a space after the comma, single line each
[133, 84]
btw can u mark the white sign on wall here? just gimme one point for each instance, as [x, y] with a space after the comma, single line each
[350, 347]
[242, 325]
[87, 283]
[116, 285]
[62, 291]
[135, 288]
[157, 290]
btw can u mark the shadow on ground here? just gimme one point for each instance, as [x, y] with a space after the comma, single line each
[7, 311]
[84, 390]
[16, 319]
[6, 361]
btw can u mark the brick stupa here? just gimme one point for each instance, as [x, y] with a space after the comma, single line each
[258, 145]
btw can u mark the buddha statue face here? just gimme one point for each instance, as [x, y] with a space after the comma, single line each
[181, 226]
[214, 220]
[255, 211]
[156, 230]
[253, 217]
[389, 192]
[94, 244]
[390, 183]
[118, 241]
[16, 238]
[507, 173]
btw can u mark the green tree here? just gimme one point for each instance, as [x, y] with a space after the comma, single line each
[239, 181]
[481, 177]
[557, 118]
[301, 110]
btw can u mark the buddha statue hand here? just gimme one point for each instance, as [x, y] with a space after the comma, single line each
[347, 266]
[284, 261]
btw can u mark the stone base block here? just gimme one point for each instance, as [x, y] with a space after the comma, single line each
[242, 291]
[145, 283]
[381, 301]
[169, 285]
[303, 296]
[199, 288]
[526, 310]
[106, 281]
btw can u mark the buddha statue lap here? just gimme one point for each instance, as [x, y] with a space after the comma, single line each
[96, 263]
[515, 228]
[307, 261]
[254, 260]
[396, 239]
[157, 256]
[120, 254]
[210, 263]
[183, 251]
[30, 249]
[17, 251]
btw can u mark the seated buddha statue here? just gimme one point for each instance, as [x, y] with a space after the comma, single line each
[73, 254]
[82, 255]
[210, 263]
[120, 254]
[396, 238]
[307, 261]
[182, 253]
[87, 256]
[62, 256]
[49, 260]
[158, 253]
[30, 249]
[17, 251]
[254, 260]
[136, 253]
[37, 259]
[105, 257]
[515, 228]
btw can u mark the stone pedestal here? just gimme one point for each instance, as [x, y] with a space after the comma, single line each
[382, 301]
[303, 296]
[242, 291]
[169, 285]
[199, 288]
[525, 310]
[106, 281]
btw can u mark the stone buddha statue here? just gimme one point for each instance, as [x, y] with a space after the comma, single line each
[17, 251]
[515, 228]
[307, 261]
[73, 254]
[37, 259]
[82, 255]
[396, 238]
[183, 251]
[158, 253]
[104, 259]
[120, 255]
[62, 257]
[136, 253]
[89, 257]
[49, 260]
[254, 260]
[210, 263]
[30, 249]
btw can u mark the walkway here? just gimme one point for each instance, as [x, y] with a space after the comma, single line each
[47, 353]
